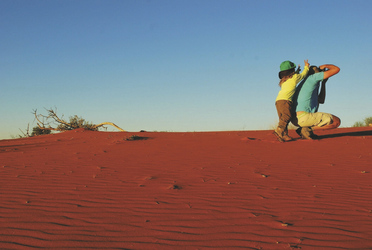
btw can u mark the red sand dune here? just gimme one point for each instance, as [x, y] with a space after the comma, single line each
[194, 190]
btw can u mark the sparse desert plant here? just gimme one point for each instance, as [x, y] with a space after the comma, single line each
[365, 123]
[368, 121]
[35, 132]
[76, 122]
[358, 124]
[38, 131]
[52, 121]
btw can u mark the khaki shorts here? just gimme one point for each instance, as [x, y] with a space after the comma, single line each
[314, 119]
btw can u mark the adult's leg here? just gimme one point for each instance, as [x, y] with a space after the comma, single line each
[334, 123]
[316, 121]
[304, 132]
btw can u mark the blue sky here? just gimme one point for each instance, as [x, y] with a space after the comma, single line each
[177, 65]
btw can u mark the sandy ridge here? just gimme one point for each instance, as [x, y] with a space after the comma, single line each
[195, 190]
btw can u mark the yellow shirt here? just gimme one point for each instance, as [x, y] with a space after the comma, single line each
[289, 87]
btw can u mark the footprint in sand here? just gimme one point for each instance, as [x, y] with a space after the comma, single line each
[174, 186]
[250, 139]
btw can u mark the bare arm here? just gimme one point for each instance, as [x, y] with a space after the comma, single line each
[332, 70]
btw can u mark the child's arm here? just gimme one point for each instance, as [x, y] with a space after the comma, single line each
[305, 71]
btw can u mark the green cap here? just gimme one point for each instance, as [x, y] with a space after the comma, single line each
[286, 65]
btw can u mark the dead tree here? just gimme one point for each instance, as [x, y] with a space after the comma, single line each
[55, 123]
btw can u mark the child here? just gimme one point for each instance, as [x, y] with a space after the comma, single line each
[289, 78]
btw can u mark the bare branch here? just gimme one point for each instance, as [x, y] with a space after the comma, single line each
[27, 134]
[109, 123]
[53, 115]
[38, 120]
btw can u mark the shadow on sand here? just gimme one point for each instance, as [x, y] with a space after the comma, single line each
[359, 133]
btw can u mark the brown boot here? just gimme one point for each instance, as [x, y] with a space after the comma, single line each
[286, 137]
[278, 132]
[305, 133]
[312, 135]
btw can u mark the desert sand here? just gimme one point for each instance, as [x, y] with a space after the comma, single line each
[194, 190]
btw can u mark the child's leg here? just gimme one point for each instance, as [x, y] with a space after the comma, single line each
[284, 109]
